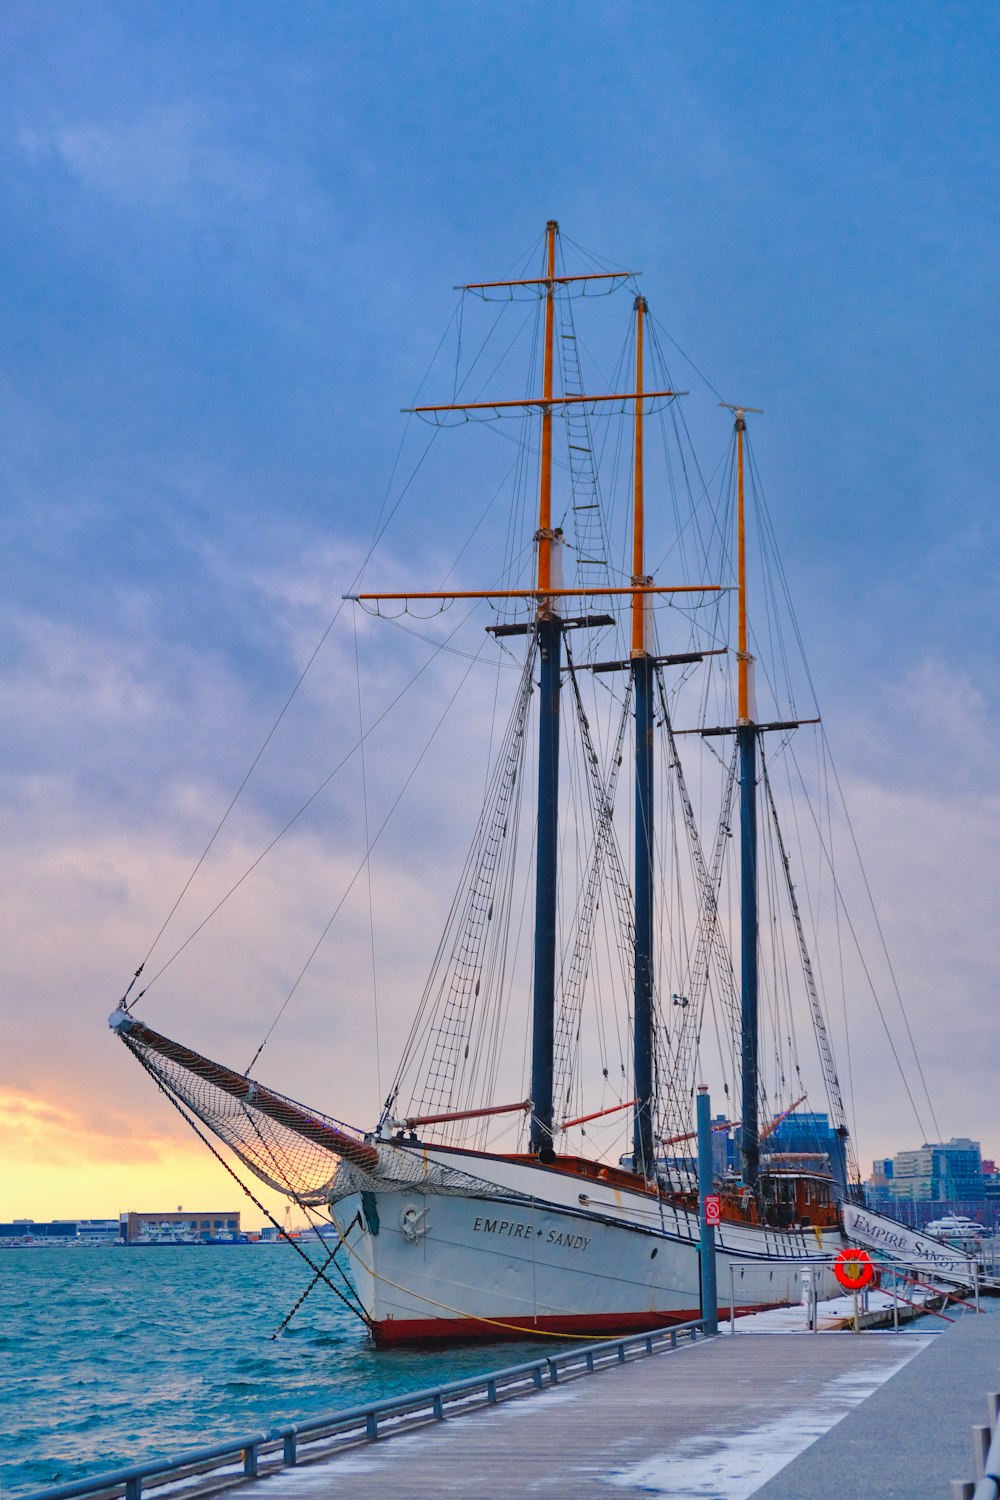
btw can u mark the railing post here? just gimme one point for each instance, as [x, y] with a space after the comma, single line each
[133, 1488]
[371, 1427]
[491, 1392]
[290, 1449]
[980, 1448]
[621, 1354]
[437, 1406]
[250, 1461]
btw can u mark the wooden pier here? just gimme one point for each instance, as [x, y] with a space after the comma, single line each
[777, 1416]
[719, 1419]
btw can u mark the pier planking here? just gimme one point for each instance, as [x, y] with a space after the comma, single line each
[728, 1413]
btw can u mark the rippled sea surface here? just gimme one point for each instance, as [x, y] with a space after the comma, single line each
[110, 1355]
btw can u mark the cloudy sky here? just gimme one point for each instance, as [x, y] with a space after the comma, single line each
[229, 239]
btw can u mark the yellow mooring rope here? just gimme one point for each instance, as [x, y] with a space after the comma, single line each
[531, 1332]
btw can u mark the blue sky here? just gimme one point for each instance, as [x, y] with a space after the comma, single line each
[229, 239]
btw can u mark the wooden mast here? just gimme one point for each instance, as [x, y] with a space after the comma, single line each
[642, 668]
[545, 475]
[638, 518]
[742, 657]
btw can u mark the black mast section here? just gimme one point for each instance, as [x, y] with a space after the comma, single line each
[746, 740]
[549, 631]
[643, 1153]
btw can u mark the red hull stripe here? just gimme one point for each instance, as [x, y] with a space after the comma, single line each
[417, 1331]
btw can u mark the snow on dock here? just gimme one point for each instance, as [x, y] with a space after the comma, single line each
[718, 1419]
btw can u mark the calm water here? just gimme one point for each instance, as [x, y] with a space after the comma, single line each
[109, 1356]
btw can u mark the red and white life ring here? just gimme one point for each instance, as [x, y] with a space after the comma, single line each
[854, 1270]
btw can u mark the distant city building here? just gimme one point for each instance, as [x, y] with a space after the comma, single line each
[180, 1228]
[59, 1231]
[28, 1230]
[938, 1173]
[98, 1231]
[723, 1147]
[799, 1134]
[991, 1184]
[941, 1177]
[801, 1131]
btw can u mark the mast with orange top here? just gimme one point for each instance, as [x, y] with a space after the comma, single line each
[548, 627]
[746, 741]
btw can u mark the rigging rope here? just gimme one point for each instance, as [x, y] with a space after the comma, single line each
[365, 859]
[472, 947]
[318, 1270]
[819, 1020]
[828, 857]
[318, 1277]
[378, 531]
[368, 865]
[605, 860]
[710, 951]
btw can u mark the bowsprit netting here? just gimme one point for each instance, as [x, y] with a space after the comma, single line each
[311, 1157]
[294, 1150]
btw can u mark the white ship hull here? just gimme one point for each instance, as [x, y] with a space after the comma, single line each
[529, 1257]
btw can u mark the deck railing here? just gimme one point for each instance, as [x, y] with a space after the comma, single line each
[266, 1451]
[985, 1458]
[944, 1279]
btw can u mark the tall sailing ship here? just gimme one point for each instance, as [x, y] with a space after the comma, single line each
[462, 1215]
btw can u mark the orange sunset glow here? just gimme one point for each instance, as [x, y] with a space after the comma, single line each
[56, 1164]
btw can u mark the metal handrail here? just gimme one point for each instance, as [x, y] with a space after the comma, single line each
[985, 1458]
[882, 1264]
[495, 1384]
